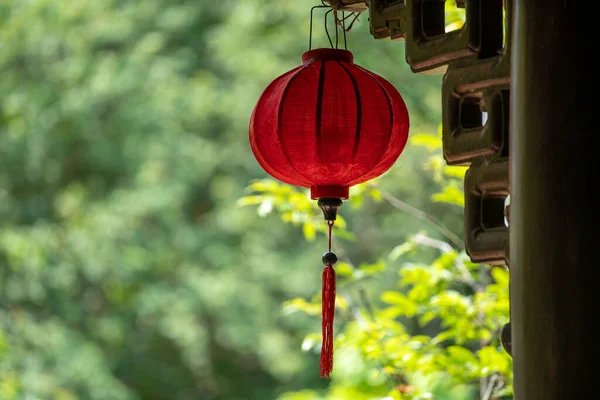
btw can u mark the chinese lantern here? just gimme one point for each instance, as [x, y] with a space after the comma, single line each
[328, 125]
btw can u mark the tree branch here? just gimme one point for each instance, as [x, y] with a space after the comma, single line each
[431, 242]
[422, 215]
[490, 387]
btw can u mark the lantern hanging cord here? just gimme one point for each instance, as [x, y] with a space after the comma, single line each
[327, 30]
[335, 20]
[339, 22]
[352, 14]
[344, 30]
[311, 24]
[330, 223]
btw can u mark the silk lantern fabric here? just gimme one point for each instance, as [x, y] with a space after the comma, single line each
[328, 124]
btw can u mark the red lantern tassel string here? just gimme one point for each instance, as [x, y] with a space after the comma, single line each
[328, 309]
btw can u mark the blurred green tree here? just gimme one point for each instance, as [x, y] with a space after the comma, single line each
[127, 271]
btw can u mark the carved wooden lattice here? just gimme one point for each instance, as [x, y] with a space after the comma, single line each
[475, 61]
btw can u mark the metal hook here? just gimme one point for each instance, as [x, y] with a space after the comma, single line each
[311, 23]
[344, 29]
[326, 30]
[354, 20]
[335, 21]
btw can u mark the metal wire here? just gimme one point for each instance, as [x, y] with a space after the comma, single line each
[327, 30]
[335, 21]
[311, 23]
[344, 29]
[354, 20]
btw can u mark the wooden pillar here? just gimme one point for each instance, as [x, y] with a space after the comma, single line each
[554, 247]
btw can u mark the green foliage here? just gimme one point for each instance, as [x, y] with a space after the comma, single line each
[435, 335]
[127, 269]
[455, 17]
[293, 206]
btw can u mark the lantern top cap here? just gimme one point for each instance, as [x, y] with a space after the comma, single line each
[326, 54]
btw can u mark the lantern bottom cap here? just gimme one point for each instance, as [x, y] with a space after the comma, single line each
[329, 191]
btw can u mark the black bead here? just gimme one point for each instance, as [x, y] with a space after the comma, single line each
[329, 258]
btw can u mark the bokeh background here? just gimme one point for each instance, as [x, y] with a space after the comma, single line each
[144, 254]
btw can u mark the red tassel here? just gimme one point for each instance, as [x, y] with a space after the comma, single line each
[328, 310]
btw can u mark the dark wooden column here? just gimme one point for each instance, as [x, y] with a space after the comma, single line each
[554, 251]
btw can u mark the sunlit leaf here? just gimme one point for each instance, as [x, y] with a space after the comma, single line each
[265, 185]
[250, 201]
[401, 249]
[455, 171]
[431, 142]
[450, 195]
[311, 341]
[405, 305]
[455, 17]
[501, 276]
[444, 336]
[375, 194]
[309, 231]
[493, 359]
[344, 269]
[372, 268]
[462, 354]
[300, 304]
[265, 207]
[341, 303]
[427, 317]
[357, 200]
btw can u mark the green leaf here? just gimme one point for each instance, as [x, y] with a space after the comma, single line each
[407, 306]
[393, 298]
[415, 274]
[340, 223]
[401, 249]
[450, 195]
[427, 317]
[462, 355]
[500, 275]
[311, 341]
[265, 185]
[431, 142]
[371, 269]
[308, 228]
[357, 201]
[250, 201]
[420, 292]
[493, 359]
[344, 269]
[444, 336]
[451, 298]
[299, 304]
[455, 171]
[375, 194]
[265, 207]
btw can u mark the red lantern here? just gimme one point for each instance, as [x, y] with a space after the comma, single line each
[328, 125]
